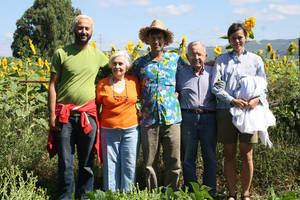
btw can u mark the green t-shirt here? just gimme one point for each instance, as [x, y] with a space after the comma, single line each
[77, 70]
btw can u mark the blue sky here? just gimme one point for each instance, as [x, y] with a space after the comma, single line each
[118, 21]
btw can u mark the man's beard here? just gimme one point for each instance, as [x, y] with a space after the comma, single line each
[79, 41]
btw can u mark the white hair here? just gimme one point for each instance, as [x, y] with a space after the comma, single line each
[78, 17]
[194, 43]
[121, 53]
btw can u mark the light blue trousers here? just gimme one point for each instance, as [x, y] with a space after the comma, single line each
[120, 149]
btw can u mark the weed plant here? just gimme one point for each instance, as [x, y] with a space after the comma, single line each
[16, 184]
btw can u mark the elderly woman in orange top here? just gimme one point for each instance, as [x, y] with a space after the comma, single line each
[118, 95]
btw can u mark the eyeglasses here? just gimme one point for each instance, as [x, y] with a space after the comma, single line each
[117, 97]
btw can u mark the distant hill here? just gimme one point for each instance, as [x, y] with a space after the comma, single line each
[280, 45]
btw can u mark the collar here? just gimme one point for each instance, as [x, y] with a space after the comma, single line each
[201, 72]
[148, 57]
[233, 53]
[235, 57]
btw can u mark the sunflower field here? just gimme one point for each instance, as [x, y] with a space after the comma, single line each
[27, 173]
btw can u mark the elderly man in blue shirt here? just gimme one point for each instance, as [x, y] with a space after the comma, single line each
[198, 106]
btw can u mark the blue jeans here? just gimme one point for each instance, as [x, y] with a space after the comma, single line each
[120, 149]
[195, 128]
[65, 140]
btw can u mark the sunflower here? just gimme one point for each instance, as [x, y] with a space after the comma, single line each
[129, 47]
[273, 56]
[140, 44]
[269, 48]
[32, 47]
[41, 62]
[29, 61]
[249, 25]
[218, 50]
[93, 44]
[113, 50]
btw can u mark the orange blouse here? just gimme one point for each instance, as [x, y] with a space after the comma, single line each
[118, 110]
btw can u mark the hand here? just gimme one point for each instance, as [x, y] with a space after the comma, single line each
[53, 123]
[239, 103]
[176, 95]
[252, 103]
[220, 84]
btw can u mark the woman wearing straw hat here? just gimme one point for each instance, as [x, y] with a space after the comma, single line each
[161, 115]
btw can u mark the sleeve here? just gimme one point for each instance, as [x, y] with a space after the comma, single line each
[99, 98]
[178, 81]
[180, 64]
[217, 84]
[104, 69]
[134, 69]
[56, 63]
[261, 73]
[137, 86]
[103, 60]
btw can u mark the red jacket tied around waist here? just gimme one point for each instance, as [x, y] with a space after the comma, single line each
[63, 113]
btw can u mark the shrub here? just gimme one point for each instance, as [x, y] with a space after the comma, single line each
[23, 124]
[163, 193]
[16, 184]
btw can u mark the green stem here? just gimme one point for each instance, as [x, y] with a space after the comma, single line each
[26, 92]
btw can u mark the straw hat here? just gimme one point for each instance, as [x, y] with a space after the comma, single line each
[156, 24]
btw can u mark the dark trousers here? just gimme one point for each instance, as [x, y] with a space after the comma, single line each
[65, 140]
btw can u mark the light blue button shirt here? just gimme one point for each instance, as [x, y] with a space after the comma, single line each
[229, 69]
[194, 90]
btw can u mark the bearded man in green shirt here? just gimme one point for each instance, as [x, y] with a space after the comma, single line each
[72, 109]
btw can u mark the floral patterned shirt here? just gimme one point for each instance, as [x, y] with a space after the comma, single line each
[158, 81]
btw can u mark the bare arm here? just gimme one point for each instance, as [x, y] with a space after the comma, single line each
[52, 101]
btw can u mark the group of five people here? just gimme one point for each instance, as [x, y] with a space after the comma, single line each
[178, 109]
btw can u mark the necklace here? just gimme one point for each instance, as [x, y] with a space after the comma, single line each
[117, 86]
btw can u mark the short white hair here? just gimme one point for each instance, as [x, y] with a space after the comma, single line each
[120, 53]
[78, 17]
[194, 43]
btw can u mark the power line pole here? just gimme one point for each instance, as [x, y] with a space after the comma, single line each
[100, 41]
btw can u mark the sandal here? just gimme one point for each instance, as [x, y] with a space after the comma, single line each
[231, 197]
[247, 197]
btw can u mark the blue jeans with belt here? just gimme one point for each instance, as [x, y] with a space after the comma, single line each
[120, 149]
[65, 140]
[194, 128]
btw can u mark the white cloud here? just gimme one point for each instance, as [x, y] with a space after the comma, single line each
[5, 43]
[103, 4]
[262, 15]
[142, 2]
[119, 44]
[242, 2]
[218, 31]
[278, 1]
[5, 50]
[170, 10]
[271, 36]
[107, 3]
[286, 9]
[212, 42]
[9, 36]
